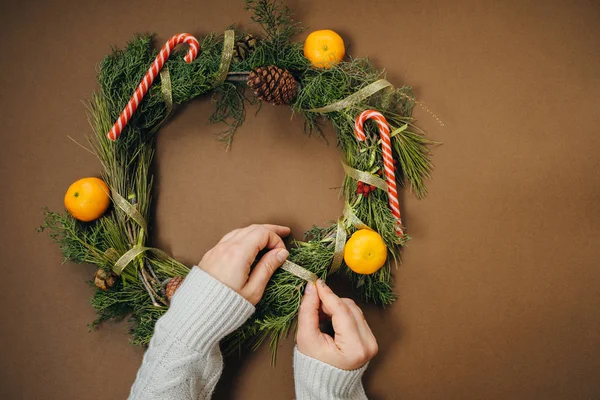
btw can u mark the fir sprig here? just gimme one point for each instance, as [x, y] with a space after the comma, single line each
[276, 20]
[78, 241]
[229, 101]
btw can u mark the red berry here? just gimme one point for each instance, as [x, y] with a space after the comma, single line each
[372, 188]
[359, 184]
[366, 193]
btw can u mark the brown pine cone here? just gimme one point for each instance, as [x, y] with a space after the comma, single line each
[172, 286]
[104, 280]
[273, 85]
[244, 47]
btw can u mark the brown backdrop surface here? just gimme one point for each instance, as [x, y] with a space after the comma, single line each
[500, 288]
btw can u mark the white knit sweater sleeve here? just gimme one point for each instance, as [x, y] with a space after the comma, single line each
[183, 360]
[316, 380]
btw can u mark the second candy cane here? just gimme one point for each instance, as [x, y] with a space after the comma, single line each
[153, 71]
[388, 158]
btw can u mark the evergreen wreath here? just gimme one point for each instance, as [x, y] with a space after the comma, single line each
[136, 281]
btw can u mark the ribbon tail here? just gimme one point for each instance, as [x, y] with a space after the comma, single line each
[128, 209]
[354, 98]
[299, 271]
[340, 243]
[353, 219]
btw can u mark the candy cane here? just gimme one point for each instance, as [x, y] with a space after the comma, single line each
[154, 69]
[388, 158]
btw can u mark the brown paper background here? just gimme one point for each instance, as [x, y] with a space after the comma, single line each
[500, 288]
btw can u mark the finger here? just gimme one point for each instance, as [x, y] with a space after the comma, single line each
[363, 326]
[359, 316]
[331, 301]
[355, 310]
[342, 319]
[259, 277]
[279, 230]
[258, 238]
[308, 316]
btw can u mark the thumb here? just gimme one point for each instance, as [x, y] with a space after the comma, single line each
[262, 272]
[342, 318]
[308, 316]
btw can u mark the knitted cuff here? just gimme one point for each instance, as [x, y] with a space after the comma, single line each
[203, 311]
[318, 380]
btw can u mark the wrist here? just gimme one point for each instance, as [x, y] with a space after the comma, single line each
[314, 378]
[346, 362]
[203, 311]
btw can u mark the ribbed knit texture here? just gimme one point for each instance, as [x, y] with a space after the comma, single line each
[316, 380]
[183, 360]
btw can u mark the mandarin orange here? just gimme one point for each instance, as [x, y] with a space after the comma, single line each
[87, 199]
[324, 48]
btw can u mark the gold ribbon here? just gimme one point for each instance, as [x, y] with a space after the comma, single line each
[128, 209]
[130, 255]
[364, 176]
[367, 92]
[353, 219]
[137, 250]
[226, 56]
[340, 235]
[354, 98]
[166, 89]
[340, 243]
[299, 271]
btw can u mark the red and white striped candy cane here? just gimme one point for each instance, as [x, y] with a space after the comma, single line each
[388, 158]
[153, 71]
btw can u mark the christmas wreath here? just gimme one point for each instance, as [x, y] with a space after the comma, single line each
[319, 83]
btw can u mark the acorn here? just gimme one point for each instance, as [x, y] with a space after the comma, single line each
[104, 280]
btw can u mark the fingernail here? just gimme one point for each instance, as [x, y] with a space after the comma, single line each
[310, 287]
[322, 283]
[282, 255]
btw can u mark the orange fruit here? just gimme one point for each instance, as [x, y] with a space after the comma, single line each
[324, 48]
[87, 199]
[365, 252]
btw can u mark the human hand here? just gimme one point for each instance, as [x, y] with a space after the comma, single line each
[230, 260]
[353, 344]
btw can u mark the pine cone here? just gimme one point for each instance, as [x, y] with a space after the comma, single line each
[172, 286]
[273, 85]
[244, 47]
[104, 280]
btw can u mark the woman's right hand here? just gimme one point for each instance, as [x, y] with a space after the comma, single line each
[353, 344]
